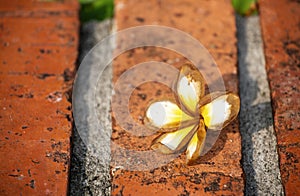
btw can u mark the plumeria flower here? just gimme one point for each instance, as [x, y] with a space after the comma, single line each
[184, 124]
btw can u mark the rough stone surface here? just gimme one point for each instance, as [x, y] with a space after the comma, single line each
[217, 172]
[89, 173]
[38, 43]
[281, 34]
[260, 157]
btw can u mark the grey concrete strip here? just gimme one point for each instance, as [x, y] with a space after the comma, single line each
[260, 158]
[90, 171]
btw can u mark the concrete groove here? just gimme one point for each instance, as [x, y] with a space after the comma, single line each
[260, 156]
[90, 171]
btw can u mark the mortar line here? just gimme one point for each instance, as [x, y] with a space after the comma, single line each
[259, 146]
[90, 170]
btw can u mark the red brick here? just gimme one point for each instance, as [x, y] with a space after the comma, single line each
[34, 167]
[281, 33]
[57, 37]
[37, 60]
[38, 43]
[56, 32]
[44, 120]
[213, 24]
[39, 5]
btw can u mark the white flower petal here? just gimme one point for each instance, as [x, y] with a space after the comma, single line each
[196, 144]
[165, 114]
[220, 111]
[173, 141]
[190, 87]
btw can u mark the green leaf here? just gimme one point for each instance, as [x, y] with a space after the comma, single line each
[243, 6]
[96, 9]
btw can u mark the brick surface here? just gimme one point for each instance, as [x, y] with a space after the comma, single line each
[281, 33]
[38, 43]
[56, 7]
[219, 171]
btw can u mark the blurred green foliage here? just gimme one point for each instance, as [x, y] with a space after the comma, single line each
[102, 9]
[96, 9]
[245, 7]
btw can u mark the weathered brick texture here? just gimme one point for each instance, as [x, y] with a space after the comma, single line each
[213, 24]
[38, 44]
[281, 33]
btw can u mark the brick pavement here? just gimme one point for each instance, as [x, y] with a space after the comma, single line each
[38, 44]
[213, 24]
[281, 34]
